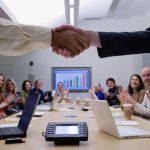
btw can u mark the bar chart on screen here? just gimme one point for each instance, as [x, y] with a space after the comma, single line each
[74, 79]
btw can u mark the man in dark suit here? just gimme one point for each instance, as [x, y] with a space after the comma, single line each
[112, 43]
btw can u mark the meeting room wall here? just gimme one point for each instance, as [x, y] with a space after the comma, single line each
[120, 68]
[146, 60]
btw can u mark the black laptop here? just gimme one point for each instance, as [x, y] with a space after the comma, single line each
[21, 129]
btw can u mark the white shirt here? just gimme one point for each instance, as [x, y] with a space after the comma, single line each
[18, 39]
[144, 108]
[63, 93]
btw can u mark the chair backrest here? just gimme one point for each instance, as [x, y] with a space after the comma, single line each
[50, 97]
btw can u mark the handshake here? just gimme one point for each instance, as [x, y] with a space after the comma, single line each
[69, 41]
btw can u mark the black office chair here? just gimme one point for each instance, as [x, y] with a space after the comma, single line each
[49, 97]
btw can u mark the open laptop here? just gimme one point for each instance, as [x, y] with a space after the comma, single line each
[106, 123]
[21, 129]
[56, 100]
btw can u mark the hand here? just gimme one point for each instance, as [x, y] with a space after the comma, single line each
[126, 98]
[46, 97]
[122, 91]
[9, 99]
[67, 91]
[107, 94]
[148, 88]
[70, 41]
[91, 91]
[2, 114]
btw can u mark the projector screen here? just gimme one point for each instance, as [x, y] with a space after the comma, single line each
[76, 79]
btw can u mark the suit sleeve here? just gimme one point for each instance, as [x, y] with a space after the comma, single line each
[124, 43]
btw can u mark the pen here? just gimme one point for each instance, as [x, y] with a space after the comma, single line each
[71, 116]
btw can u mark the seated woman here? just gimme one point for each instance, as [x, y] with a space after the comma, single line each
[60, 91]
[97, 92]
[10, 91]
[26, 88]
[136, 88]
[113, 91]
[4, 102]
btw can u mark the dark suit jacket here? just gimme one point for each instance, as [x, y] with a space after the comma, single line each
[124, 43]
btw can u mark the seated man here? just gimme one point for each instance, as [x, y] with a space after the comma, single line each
[60, 91]
[113, 91]
[97, 92]
[38, 89]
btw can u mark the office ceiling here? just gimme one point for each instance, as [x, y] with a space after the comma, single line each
[52, 12]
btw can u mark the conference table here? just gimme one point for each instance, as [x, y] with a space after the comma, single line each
[97, 139]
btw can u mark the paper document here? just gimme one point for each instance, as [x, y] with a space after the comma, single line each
[43, 108]
[115, 109]
[12, 119]
[16, 119]
[8, 125]
[36, 113]
[126, 123]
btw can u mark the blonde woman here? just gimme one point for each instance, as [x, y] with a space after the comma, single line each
[11, 91]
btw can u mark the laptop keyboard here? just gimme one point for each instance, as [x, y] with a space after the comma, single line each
[10, 131]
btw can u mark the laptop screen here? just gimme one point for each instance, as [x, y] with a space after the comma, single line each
[28, 111]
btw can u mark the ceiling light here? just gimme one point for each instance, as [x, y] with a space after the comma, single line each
[72, 11]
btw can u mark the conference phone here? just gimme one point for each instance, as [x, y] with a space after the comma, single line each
[66, 132]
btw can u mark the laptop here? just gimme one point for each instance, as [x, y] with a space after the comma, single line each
[106, 122]
[55, 101]
[21, 129]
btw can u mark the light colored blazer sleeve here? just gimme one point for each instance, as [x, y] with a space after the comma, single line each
[18, 39]
[144, 108]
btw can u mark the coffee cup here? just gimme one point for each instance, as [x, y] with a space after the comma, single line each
[128, 111]
[78, 101]
[67, 99]
[86, 102]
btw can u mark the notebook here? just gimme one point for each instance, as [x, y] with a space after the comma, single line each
[106, 122]
[21, 129]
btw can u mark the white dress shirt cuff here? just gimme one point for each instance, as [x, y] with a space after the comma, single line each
[95, 39]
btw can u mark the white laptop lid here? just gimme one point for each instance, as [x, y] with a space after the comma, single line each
[106, 123]
[104, 120]
[56, 100]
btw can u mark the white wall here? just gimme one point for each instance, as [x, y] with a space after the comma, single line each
[120, 67]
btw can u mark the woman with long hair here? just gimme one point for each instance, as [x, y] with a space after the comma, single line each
[1, 86]
[2, 104]
[26, 88]
[11, 90]
[136, 88]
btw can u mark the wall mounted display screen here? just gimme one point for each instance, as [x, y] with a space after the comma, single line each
[76, 79]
